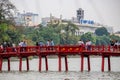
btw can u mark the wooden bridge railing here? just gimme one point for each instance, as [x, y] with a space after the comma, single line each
[60, 48]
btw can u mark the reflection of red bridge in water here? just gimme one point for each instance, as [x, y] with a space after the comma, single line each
[60, 51]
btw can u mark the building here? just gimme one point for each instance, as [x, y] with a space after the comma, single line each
[84, 28]
[83, 25]
[51, 19]
[117, 33]
[80, 14]
[26, 19]
[87, 25]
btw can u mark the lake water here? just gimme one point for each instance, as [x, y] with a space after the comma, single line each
[53, 74]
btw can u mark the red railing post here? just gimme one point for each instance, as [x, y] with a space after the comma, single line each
[109, 66]
[1, 64]
[103, 48]
[8, 64]
[40, 62]
[66, 63]
[88, 58]
[46, 62]
[59, 61]
[102, 63]
[82, 62]
[109, 48]
[27, 62]
[20, 64]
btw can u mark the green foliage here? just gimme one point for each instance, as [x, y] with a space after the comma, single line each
[53, 31]
[64, 34]
[3, 27]
[114, 37]
[101, 31]
[102, 40]
[8, 33]
[87, 36]
[69, 32]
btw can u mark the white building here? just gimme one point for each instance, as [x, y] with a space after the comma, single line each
[84, 28]
[27, 19]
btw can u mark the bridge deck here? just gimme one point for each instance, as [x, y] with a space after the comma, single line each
[60, 51]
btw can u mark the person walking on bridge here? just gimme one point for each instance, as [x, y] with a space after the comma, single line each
[80, 42]
[88, 45]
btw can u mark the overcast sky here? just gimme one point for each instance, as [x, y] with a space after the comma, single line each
[102, 11]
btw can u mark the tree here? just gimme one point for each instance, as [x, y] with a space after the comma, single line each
[69, 29]
[114, 37]
[8, 31]
[66, 32]
[87, 36]
[14, 34]
[6, 11]
[3, 29]
[101, 31]
[102, 40]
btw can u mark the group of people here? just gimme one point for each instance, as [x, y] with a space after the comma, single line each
[22, 44]
[48, 43]
[10, 44]
[6, 44]
[115, 43]
[88, 44]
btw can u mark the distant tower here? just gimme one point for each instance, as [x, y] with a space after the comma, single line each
[60, 19]
[80, 14]
[51, 18]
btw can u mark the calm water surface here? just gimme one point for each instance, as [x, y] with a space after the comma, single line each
[53, 74]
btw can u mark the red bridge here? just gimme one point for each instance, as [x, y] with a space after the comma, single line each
[60, 51]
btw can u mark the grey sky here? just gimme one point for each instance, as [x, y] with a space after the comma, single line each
[103, 11]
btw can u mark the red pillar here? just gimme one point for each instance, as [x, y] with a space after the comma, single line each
[66, 64]
[82, 62]
[8, 64]
[109, 66]
[20, 64]
[46, 62]
[0, 64]
[40, 62]
[102, 64]
[59, 61]
[27, 62]
[88, 58]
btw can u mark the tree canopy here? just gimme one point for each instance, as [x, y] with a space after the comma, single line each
[101, 31]
[6, 11]
[8, 32]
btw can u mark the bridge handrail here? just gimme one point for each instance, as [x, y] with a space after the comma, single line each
[61, 48]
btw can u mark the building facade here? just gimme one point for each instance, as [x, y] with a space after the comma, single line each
[27, 19]
[51, 20]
